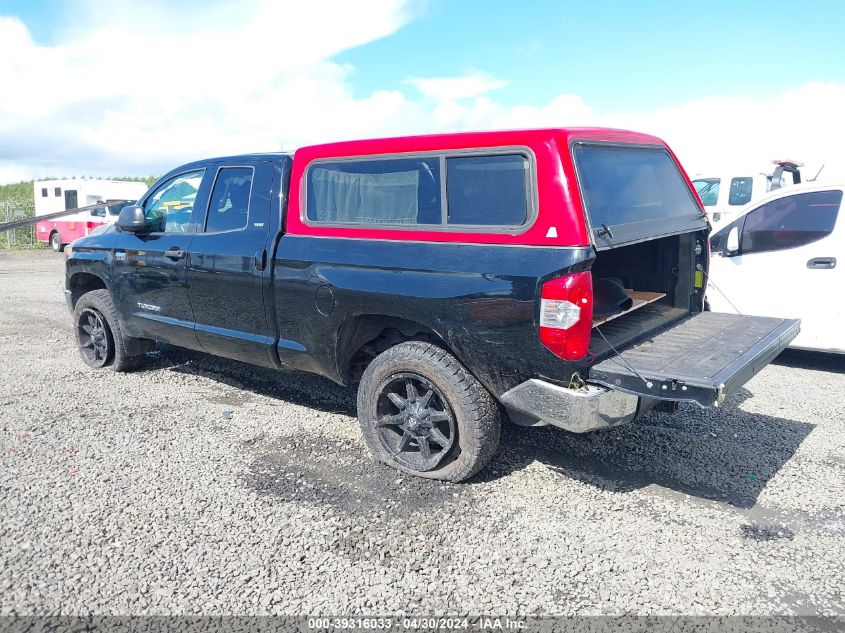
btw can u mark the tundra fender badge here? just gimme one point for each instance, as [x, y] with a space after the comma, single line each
[149, 307]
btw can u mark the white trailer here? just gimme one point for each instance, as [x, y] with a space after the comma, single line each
[53, 196]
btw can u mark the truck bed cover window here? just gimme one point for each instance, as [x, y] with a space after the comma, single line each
[632, 193]
[382, 191]
[488, 190]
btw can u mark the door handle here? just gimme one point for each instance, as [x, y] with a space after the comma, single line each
[822, 262]
[174, 253]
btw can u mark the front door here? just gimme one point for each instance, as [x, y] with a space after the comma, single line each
[150, 269]
[228, 263]
[789, 264]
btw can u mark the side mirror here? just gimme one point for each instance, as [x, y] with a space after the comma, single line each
[132, 220]
[732, 243]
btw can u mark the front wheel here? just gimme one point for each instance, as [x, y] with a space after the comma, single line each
[98, 333]
[422, 412]
[56, 241]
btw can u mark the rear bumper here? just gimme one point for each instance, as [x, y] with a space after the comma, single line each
[537, 402]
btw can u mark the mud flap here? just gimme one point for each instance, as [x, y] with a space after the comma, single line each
[702, 359]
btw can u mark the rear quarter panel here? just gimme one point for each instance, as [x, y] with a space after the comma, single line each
[479, 299]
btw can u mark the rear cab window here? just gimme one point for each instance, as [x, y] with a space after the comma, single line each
[741, 189]
[438, 191]
[228, 209]
[632, 193]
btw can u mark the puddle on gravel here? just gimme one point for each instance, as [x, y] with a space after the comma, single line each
[761, 523]
[232, 398]
[372, 512]
[342, 476]
[765, 532]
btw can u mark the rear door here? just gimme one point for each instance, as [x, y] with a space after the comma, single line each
[789, 264]
[228, 263]
[150, 269]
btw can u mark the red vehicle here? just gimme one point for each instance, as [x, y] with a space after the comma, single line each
[54, 196]
[557, 275]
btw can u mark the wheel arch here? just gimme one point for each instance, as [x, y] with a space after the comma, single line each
[82, 282]
[362, 337]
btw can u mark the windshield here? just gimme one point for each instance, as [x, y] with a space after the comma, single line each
[633, 193]
[708, 190]
[115, 209]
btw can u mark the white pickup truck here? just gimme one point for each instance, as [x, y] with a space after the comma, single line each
[725, 195]
[785, 255]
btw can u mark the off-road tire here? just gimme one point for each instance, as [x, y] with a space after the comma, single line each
[476, 413]
[101, 302]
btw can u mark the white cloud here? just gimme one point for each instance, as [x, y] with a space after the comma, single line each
[735, 132]
[453, 88]
[141, 87]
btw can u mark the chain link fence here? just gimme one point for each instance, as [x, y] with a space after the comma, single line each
[21, 237]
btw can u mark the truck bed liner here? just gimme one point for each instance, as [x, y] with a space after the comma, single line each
[701, 359]
[632, 327]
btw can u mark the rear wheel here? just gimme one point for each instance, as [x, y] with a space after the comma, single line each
[56, 241]
[98, 333]
[422, 412]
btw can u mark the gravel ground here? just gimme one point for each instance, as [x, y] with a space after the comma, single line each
[205, 486]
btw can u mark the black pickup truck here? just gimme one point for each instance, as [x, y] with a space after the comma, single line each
[558, 275]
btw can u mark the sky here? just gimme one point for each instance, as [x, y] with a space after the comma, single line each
[120, 87]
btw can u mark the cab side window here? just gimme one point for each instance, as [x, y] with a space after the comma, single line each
[228, 209]
[740, 192]
[790, 222]
[169, 209]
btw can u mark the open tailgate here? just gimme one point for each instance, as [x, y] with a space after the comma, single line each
[701, 359]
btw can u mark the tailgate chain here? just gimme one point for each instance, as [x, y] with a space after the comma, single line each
[647, 383]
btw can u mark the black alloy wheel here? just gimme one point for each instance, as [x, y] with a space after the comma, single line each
[94, 338]
[414, 422]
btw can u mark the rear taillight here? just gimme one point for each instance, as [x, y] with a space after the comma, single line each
[566, 315]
